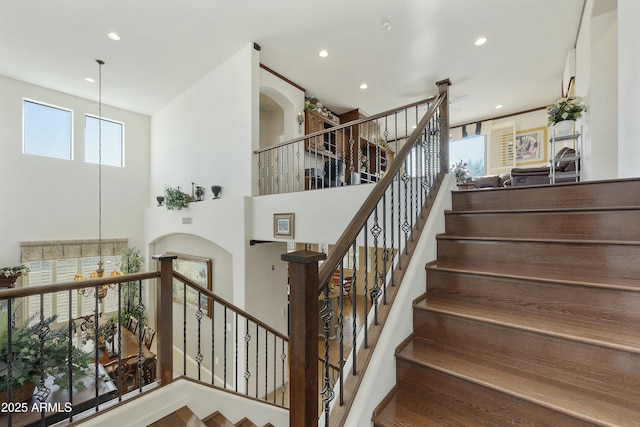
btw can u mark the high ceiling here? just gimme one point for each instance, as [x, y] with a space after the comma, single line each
[166, 46]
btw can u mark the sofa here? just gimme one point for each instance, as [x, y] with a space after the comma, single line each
[540, 175]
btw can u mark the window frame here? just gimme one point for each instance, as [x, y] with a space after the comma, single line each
[52, 106]
[122, 140]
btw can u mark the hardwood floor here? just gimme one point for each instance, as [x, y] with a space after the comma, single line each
[530, 315]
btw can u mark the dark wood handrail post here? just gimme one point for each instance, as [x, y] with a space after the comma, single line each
[164, 314]
[303, 337]
[443, 89]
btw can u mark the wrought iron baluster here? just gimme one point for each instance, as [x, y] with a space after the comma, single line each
[199, 315]
[140, 309]
[225, 348]
[354, 306]
[365, 276]
[375, 291]
[236, 358]
[213, 342]
[257, 357]
[341, 329]
[283, 357]
[247, 374]
[327, 390]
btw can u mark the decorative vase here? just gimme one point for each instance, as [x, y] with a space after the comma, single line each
[564, 128]
[216, 190]
[160, 200]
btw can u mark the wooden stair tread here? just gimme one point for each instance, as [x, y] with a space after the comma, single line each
[617, 337]
[588, 281]
[182, 417]
[217, 420]
[407, 409]
[571, 401]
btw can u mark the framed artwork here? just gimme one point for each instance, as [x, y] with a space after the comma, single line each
[199, 270]
[531, 146]
[283, 225]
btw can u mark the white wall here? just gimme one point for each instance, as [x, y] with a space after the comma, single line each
[205, 135]
[628, 88]
[50, 199]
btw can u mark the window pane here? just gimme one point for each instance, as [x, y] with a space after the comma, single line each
[46, 130]
[112, 137]
[471, 151]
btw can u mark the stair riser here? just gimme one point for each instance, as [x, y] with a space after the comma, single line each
[492, 408]
[586, 194]
[579, 225]
[614, 307]
[598, 369]
[539, 259]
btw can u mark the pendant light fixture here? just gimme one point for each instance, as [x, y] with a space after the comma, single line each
[101, 290]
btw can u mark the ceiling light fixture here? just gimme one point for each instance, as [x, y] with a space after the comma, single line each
[499, 106]
[89, 79]
[363, 86]
[113, 36]
[480, 41]
[323, 53]
[386, 25]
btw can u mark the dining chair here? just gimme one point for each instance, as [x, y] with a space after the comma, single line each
[133, 325]
[147, 336]
[346, 288]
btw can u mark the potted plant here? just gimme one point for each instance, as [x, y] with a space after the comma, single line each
[28, 367]
[174, 198]
[460, 171]
[9, 275]
[564, 112]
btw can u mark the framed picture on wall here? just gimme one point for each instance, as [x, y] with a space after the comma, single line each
[283, 225]
[531, 146]
[200, 271]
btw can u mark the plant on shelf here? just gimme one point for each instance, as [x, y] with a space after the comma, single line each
[18, 270]
[34, 359]
[460, 171]
[570, 108]
[174, 198]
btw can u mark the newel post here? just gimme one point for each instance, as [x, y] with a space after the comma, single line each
[303, 337]
[164, 305]
[443, 89]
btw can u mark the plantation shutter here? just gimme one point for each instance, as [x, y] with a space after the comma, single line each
[501, 153]
[40, 273]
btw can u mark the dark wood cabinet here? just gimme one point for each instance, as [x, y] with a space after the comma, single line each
[372, 157]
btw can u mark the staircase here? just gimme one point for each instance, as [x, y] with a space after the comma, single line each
[531, 315]
[184, 417]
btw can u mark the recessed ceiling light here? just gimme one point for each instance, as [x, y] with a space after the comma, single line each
[386, 25]
[89, 79]
[363, 86]
[480, 41]
[113, 36]
[323, 53]
[499, 106]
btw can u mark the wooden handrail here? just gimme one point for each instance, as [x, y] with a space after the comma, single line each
[353, 229]
[345, 125]
[76, 284]
[227, 304]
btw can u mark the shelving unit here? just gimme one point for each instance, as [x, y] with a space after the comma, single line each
[368, 137]
[576, 139]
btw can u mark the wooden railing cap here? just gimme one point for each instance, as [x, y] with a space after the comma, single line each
[304, 257]
[162, 257]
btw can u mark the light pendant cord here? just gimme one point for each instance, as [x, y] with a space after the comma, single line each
[100, 263]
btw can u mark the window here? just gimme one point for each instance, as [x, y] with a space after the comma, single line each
[46, 130]
[64, 270]
[470, 150]
[112, 141]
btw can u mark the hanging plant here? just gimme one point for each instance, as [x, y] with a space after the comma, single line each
[174, 198]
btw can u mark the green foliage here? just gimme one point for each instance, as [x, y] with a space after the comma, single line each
[174, 198]
[13, 271]
[26, 348]
[131, 262]
[570, 108]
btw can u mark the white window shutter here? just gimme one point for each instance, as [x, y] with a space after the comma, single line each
[501, 153]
